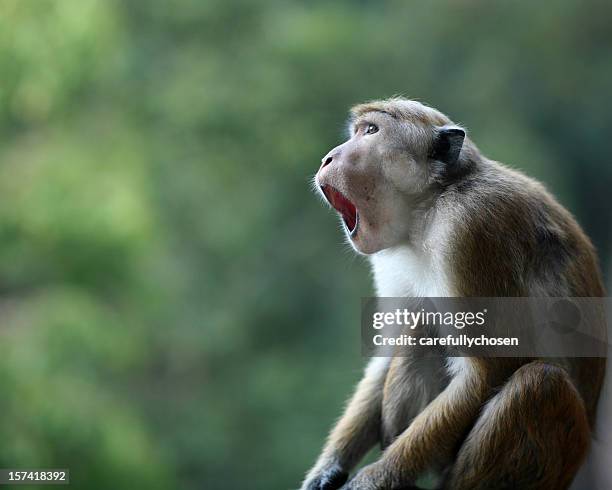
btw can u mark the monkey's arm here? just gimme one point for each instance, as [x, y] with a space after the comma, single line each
[434, 435]
[355, 433]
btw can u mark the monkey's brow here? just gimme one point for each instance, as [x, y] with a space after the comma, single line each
[355, 121]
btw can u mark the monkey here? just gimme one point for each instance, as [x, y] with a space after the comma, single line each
[436, 218]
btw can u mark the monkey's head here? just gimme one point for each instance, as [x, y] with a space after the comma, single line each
[399, 154]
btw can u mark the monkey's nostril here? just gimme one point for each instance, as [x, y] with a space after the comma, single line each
[326, 161]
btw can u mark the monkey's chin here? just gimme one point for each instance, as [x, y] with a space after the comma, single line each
[363, 240]
[361, 245]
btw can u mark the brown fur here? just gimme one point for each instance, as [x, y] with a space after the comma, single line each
[491, 423]
[541, 410]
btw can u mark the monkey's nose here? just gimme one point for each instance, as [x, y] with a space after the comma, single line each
[327, 159]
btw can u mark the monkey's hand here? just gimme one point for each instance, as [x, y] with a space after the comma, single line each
[327, 477]
[374, 477]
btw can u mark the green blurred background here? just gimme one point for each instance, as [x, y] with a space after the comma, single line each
[177, 309]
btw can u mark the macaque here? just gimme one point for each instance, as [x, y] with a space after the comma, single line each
[436, 218]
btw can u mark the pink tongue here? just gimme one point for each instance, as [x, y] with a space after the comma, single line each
[345, 207]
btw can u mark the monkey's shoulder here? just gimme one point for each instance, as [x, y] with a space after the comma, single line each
[510, 237]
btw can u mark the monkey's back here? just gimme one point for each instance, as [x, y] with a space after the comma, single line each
[512, 238]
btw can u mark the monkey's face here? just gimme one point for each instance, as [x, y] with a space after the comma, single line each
[377, 179]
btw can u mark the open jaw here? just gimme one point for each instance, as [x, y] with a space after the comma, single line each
[344, 206]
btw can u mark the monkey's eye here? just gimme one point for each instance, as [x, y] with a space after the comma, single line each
[371, 129]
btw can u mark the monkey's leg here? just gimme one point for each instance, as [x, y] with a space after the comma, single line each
[431, 439]
[354, 434]
[533, 434]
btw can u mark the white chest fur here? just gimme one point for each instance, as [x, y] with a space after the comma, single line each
[404, 271]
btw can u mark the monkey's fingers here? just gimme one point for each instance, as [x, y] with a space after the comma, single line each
[333, 479]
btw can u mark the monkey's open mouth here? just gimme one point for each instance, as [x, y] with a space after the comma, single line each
[346, 208]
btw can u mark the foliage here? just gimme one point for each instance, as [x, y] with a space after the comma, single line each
[178, 311]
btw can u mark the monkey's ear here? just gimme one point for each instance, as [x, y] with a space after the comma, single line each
[447, 144]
